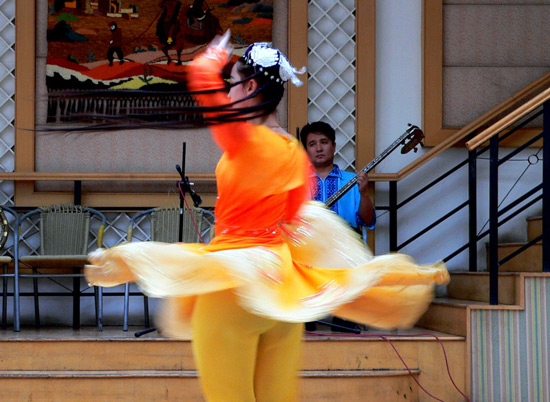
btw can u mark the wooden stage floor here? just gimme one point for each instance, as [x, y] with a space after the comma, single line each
[65, 365]
[116, 333]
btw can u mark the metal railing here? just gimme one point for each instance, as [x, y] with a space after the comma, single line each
[497, 218]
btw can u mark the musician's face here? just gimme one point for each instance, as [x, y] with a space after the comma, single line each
[320, 149]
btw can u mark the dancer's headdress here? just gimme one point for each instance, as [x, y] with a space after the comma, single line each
[272, 63]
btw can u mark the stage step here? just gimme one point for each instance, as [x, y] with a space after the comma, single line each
[121, 352]
[529, 260]
[475, 286]
[114, 365]
[61, 386]
[447, 315]
[534, 227]
[148, 385]
[470, 290]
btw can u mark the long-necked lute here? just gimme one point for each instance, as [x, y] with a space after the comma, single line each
[409, 140]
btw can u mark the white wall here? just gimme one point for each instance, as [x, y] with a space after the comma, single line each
[398, 102]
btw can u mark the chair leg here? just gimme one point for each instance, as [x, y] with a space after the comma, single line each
[98, 293]
[146, 311]
[76, 299]
[36, 306]
[4, 298]
[16, 300]
[126, 306]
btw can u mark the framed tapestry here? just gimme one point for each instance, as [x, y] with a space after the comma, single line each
[90, 61]
[65, 51]
[125, 57]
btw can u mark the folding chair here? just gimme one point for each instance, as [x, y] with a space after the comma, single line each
[7, 259]
[164, 225]
[63, 235]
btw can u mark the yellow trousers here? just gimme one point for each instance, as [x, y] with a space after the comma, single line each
[242, 357]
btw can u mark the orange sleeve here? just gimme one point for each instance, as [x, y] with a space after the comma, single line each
[300, 194]
[296, 198]
[204, 73]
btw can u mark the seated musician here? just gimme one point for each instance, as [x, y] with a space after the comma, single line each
[319, 140]
[355, 206]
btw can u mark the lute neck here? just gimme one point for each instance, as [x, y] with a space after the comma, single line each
[345, 188]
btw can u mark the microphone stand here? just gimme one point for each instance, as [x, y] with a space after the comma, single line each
[184, 186]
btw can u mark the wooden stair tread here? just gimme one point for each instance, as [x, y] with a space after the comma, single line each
[358, 373]
[458, 302]
[483, 273]
[115, 334]
[189, 373]
[97, 373]
[474, 286]
[517, 244]
[517, 274]
[44, 364]
[530, 260]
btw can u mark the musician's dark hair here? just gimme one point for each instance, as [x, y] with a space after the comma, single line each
[317, 127]
[270, 91]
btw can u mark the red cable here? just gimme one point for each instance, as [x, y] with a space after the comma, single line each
[190, 213]
[384, 337]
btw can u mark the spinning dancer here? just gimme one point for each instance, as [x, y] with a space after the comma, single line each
[276, 261]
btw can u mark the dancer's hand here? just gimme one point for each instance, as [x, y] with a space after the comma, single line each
[210, 62]
[205, 73]
[219, 48]
[222, 42]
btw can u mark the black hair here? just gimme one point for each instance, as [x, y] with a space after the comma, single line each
[270, 91]
[317, 127]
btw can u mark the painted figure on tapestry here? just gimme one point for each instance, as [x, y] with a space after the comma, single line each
[168, 26]
[115, 44]
[182, 26]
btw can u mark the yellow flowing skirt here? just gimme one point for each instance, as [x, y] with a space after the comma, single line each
[321, 268]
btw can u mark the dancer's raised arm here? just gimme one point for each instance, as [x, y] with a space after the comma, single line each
[205, 74]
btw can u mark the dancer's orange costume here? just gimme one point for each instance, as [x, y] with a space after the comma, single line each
[276, 261]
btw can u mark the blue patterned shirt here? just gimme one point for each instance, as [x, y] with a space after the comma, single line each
[347, 206]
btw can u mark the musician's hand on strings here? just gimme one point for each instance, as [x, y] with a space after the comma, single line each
[363, 182]
[366, 208]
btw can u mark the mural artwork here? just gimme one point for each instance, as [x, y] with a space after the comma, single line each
[126, 57]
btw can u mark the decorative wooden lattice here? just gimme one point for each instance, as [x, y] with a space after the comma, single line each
[331, 63]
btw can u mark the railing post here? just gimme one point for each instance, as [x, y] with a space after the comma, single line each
[546, 187]
[472, 210]
[393, 216]
[77, 192]
[16, 299]
[493, 221]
